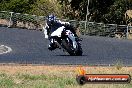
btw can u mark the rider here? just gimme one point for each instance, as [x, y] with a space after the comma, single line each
[51, 26]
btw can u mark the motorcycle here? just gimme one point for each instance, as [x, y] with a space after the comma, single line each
[64, 38]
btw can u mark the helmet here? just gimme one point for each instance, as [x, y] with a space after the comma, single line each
[51, 19]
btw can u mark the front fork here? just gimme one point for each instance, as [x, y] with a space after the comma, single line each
[73, 39]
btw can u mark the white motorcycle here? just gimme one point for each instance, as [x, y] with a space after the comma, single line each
[65, 39]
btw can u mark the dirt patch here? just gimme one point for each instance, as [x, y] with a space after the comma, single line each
[56, 69]
[3, 22]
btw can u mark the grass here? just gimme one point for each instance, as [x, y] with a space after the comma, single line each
[55, 76]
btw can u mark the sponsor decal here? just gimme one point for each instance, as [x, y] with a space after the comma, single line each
[84, 78]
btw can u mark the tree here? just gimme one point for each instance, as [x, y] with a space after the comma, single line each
[116, 12]
[19, 6]
[107, 11]
[45, 7]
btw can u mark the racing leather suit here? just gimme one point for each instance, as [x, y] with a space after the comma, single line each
[49, 29]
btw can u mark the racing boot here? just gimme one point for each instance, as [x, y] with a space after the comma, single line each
[52, 46]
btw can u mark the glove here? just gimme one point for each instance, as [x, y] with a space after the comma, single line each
[46, 36]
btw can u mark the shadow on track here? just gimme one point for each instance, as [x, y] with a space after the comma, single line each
[71, 56]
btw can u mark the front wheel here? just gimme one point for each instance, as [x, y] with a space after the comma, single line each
[68, 47]
[79, 50]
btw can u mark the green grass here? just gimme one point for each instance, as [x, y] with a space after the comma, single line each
[48, 81]
[6, 81]
[35, 81]
[58, 78]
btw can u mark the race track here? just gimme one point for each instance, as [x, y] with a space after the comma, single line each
[29, 46]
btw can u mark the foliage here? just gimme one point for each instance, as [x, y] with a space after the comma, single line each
[116, 12]
[19, 6]
[45, 7]
[107, 11]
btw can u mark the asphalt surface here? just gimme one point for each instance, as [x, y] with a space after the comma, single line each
[30, 47]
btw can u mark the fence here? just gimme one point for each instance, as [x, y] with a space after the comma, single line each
[107, 30]
[11, 19]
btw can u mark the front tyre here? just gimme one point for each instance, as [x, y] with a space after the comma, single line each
[68, 47]
[79, 50]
